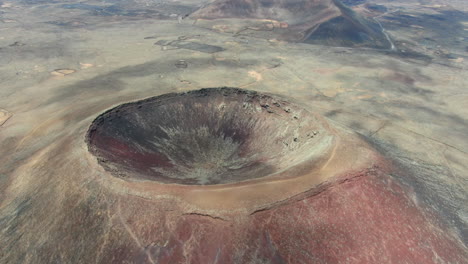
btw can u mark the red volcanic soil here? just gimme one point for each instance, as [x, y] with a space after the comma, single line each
[365, 218]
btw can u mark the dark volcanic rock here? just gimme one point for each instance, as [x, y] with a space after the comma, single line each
[326, 22]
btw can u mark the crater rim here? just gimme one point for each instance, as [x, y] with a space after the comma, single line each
[269, 108]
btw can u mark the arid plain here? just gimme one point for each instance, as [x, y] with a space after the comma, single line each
[392, 111]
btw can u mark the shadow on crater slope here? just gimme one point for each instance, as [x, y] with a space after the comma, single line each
[209, 136]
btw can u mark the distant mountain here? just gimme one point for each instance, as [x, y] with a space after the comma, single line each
[326, 22]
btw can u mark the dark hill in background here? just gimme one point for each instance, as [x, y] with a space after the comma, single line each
[325, 22]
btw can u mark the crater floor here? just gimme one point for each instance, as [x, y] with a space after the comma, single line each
[209, 136]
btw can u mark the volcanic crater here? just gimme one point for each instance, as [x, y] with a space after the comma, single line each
[205, 137]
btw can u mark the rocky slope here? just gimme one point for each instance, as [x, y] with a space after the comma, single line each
[326, 22]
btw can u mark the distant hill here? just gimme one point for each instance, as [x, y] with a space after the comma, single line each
[326, 22]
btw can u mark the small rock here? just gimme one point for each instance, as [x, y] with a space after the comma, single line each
[269, 26]
[86, 65]
[4, 116]
[62, 72]
[181, 64]
[17, 44]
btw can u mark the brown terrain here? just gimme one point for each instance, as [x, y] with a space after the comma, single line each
[228, 131]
